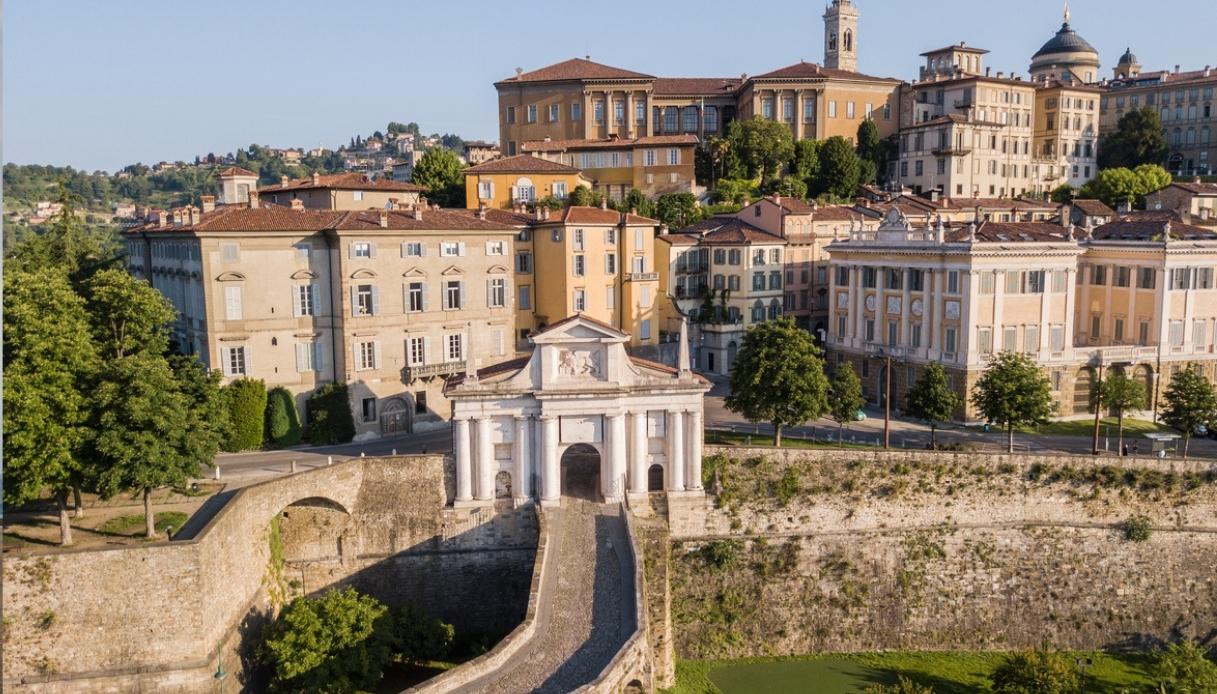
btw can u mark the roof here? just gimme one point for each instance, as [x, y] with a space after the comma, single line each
[960, 47]
[350, 180]
[520, 163]
[1157, 78]
[1148, 227]
[728, 230]
[806, 70]
[1129, 58]
[235, 171]
[402, 220]
[583, 317]
[1093, 208]
[509, 217]
[594, 215]
[695, 86]
[1066, 40]
[574, 69]
[1012, 232]
[1197, 188]
[608, 143]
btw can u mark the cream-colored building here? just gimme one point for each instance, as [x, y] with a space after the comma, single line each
[1066, 134]
[655, 165]
[1195, 199]
[1184, 102]
[344, 191]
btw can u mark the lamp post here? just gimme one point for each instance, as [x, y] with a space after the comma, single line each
[1098, 405]
[886, 354]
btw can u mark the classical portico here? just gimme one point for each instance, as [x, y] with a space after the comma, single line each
[578, 392]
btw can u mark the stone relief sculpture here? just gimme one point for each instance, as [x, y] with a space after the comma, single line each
[579, 363]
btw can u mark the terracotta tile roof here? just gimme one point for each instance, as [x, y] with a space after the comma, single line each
[1198, 188]
[344, 181]
[235, 171]
[400, 220]
[1163, 78]
[608, 143]
[1093, 208]
[678, 239]
[960, 47]
[1000, 204]
[1152, 227]
[574, 69]
[509, 217]
[729, 230]
[1012, 232]
[836, 213]
[595, 215]
[806, 70]
[521, 163]
[796, 206]
[263, 218]
[695, 86]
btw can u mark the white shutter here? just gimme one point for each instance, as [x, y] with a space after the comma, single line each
[354, 301]
[498, 342]
[302, 349]
[460, 248]
[403, 249]
[318, 356]
[249, 362]
[491, 190]
[296, 301]
[351, 249]
[376, 354]
[424, 296]
[405, 297]
[371, 250]
[426, 349]
[461, 284]
[514, 194]
[489, 293]
[375, 300]
[422, 249]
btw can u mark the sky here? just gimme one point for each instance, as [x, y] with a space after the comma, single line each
[98, 85]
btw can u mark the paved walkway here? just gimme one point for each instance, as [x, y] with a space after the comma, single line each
[589, 617]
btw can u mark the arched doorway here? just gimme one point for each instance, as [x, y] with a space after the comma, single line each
[502, 485]
[655, 478]
[1144, 374]
[395, 417]
[580, 470]
[1081, 391]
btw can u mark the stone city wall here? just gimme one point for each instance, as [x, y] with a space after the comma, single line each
[806, 551]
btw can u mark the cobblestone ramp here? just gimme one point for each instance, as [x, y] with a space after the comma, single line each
[589, 618]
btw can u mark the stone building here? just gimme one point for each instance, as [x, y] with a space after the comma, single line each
[1184, 101]
[512, 181]
[344, 191]
[1195, 199]
[655, 165]
[578, 416]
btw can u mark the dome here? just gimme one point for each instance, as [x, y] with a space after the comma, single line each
[1128, 58]
[1066, 41]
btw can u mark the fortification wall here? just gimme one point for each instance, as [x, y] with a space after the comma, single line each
[841, 551]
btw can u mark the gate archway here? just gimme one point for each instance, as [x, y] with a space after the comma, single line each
[580, 470]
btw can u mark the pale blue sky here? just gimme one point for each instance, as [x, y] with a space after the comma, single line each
[100, 84]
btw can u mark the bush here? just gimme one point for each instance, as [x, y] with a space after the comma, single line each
[419, 637]
[246, 400]
[1036, 672]
[1136, 529]
[720, 553]
[1183, 667]
[903, 685]
[788, 486]
[329, 415]
[282, 418]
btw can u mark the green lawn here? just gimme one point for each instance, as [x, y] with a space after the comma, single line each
[134, 523]
[727, 438]
[946, 673]
[1085, 427]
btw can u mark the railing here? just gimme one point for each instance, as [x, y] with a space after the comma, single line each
[642, 276]
[412, 372]
[952, 151]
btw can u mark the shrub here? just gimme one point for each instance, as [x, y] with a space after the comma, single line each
[903, 685]
[246, 400]
[419, 637]
[329, 415]
[1036, 672]
[282, 418]
[1183, 667]
[1136, 528]
[788, 486]
[720, 553]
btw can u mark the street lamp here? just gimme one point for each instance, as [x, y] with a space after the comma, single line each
[886, 353]
[1098, 402]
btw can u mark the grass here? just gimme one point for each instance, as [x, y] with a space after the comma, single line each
[134, 524]
[945, 672]
[730, 438]
[1085, 427]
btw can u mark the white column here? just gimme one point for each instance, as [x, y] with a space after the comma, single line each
[930, 321]
[521, 481]
[551, 481]
[638, 480]
[694, 446]
[485, 461]
[676, 451]
[615, 488]
[464, 469]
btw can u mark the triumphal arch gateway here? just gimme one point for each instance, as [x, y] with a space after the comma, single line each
[579, 416]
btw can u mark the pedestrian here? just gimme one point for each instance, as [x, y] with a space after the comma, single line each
[1124, 452]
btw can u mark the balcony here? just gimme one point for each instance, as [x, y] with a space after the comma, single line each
[411, 373]
[952, 151]
[642, 277]
[963, 103]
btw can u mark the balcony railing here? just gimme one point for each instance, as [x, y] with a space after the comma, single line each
[448, 368]
[952, 151]
[642, 276]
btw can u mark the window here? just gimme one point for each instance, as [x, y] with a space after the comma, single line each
[870, 329]
[1176, 333]
[361, 249]
[232, 302]
[365, 300]
[1009, 338]
[894, 278]
[758, 281]
[809, 110]
[576, 111]
[775, 280]
[849, 109]
[412, 249]
[987, 283]
[673, 156]
[619, 112]
[598, 112]
[1058, 280]
[710, 118]
[950, 340]
[841, 275]
[368, 409]
[648, 157]
[234, 361]
[1143, 333]
[495, 248]
[788, 110]
[452, 249]
[511, 114]
[671, 116]
[560, 190]
[454, 294]
[554, 111]
[734, 256]
[365, 356]
[639, 265]
[841, 326]
[1204, 278]
[1096, 326]
[688, 118]
[915, 335]
[416, 301]
[893, 333]
[868, 277]
[640, 112]
[1146, 278]
[610, 263]
[416, 351]
[646, 329]
[1122, 276]
[1199, 334]
[610, 297]
[456, 347]
[304, 300]
[496, 296]
[532, 113]
[580, 300]
[1181, 278]
[767, 108]
[525, 302]
[984, 340]
[758, 312]
[953, 281]
[524, 262]
[733, 283]
[308, 357]
[1118, 330]
[579, 268]
[832, 109]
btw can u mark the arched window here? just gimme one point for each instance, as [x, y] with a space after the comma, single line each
[1177, 137]
[849, 40]
[523, 190]
[832, 41]
[775, 309]
[758, 311]
[1191, 136]
[1205, 134]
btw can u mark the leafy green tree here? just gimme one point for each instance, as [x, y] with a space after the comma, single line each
[246, 399]
[839, 169]
[549, 201]
[844, 397]
[1013, 392]
[790, 187]
[735, 190]
[1062, 194]
[1119, 185]
[440, 171]
[778, 377]
[677, 210]
[712, 159]
[419, 637]
[282, 418]
[806, 162]
[868, 171]
[208, 409]
[1120, 393]
[329, 415]
[931, 399]
[869, 145]
[1138, 139]
[49, 361]
[1036, 672]
[129, 316]
[1188, 403]
[764, 146]
[636, 200]
[1183, 668]
[339, 643]
[67, 243]
[581, 196]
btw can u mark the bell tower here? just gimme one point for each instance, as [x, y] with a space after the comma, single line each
[841, 36]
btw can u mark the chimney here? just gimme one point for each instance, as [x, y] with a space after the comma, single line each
[283, 181]
[634, 211]
[987, 70]
[209, 203]
[481, 211]
[1196, 180]
[537, 212]
[604, 203]
[545, 213]
[393, 204]
[663, 229]
[777, 199]
[1000, 74]
[162, 218]
[418, 214]
[177, 218]
[316, 178]
[297, 205]
[253, 199]
[384, 218]
[1176, 69]
[1208, 70]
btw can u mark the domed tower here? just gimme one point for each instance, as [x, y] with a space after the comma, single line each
[841, 36]
[1128, 66]
[1066, 56]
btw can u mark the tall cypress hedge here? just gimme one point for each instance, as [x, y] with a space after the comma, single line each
[246, 399]
[329, 415]
[282, 418]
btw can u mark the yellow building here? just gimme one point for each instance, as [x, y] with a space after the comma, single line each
[508, 182]
[654, 165]
[344, 191]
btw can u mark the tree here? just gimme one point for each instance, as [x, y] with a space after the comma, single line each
[1120, 185]
[339, 642]
[246, 399]
[1138, 139]
[844, 397]
[129, 316]
[806, 159]
[778, 377]
[735, 190]
[637, 201]
[839, 169]
[677, 210]
[581, 196]
[440, 171]
[1013, 392]
[790, 187]
[67, 243]
[1036, 672]
[49, 362]
[1188, 403]
[419, 637]
[1062, 194]
[1120, 394]
[329, 415]
[869, 147]
[764, 146]
[282, 418]
[1183, 668]
[931, 399]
